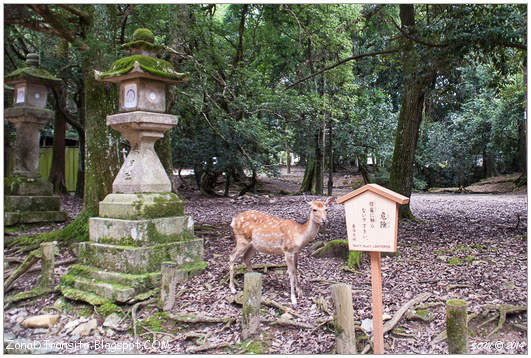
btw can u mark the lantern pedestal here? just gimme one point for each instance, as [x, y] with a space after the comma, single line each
[142, 171]
[28, 198]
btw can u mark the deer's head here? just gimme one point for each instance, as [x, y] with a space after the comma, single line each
[318, 213]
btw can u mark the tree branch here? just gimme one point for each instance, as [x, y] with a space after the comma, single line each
[62, 31]
[411, 38]
[352, 58]
[85, 17]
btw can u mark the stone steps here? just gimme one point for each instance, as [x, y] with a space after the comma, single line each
[111, 291]
[79, 295]
[95, 286]
[138, 282]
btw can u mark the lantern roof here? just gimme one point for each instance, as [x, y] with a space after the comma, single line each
[377, 189]
[140, 63]
[32, 72]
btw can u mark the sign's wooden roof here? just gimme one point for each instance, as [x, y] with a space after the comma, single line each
[377, 189]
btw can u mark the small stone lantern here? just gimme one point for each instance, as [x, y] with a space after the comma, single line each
[28, 197]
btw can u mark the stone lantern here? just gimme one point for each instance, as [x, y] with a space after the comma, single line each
[141, 224]
[28, 197]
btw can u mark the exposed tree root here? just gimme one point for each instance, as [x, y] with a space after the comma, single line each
[398, 315]
[36, 292]
[193, 318]
[207, 347]
[241, 270]
[32, 258]
[502, 311]
[133, 312]
[289, 322]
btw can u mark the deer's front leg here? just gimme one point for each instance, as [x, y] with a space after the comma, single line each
[240, 248]
[292, 272]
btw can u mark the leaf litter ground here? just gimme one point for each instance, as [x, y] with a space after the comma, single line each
[463, 246]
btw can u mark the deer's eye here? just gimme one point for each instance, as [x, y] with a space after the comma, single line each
[314, 209]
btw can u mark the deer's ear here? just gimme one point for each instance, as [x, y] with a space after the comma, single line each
[331, 200]
[310, 203]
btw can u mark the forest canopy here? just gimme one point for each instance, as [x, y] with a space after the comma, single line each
[433, 94]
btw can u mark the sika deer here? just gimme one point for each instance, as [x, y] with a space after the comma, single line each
[257, 231]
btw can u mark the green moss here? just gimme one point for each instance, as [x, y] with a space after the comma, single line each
[76, 231]
[253, 346]
[86, 311]
[422, 313]
[469, 259]
[152, 65]
[154, 322]
[165, 205]
[124, 241]
[32, 72]
[334, 248]
[354, 259]
[194, 266]
[78, 295]
[455, 302]
[454, 261]
[107, 308]
[143, 34]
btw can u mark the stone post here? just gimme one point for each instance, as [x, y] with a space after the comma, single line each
[47, 264]
[252, 299]
[168, 281]
[457, 326]
[344, 319]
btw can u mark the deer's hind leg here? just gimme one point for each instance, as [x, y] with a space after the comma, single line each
[242, 245]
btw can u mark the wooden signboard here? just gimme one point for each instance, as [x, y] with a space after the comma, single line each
[371, 215]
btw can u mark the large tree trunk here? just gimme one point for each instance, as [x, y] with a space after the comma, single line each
[163, 149]
[416, 82]
[102, 155]
[57, 173]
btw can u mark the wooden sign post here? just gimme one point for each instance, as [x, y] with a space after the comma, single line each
[371, 214]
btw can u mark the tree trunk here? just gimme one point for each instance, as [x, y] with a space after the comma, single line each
[57, 173]
[312, 173]
[207, 185]
[416, 82]
[330, 158]
[80, 185]
[163, 150]
[101, 159]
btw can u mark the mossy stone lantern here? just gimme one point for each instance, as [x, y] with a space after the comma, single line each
[141, 224]
[28, 197]
[142, 79]
[28, 115]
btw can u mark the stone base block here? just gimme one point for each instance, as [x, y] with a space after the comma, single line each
[141, 206]
[96, 286]
[140, 232]
[19, 185]
[31, 203]
[138, 260]
[29, 217]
